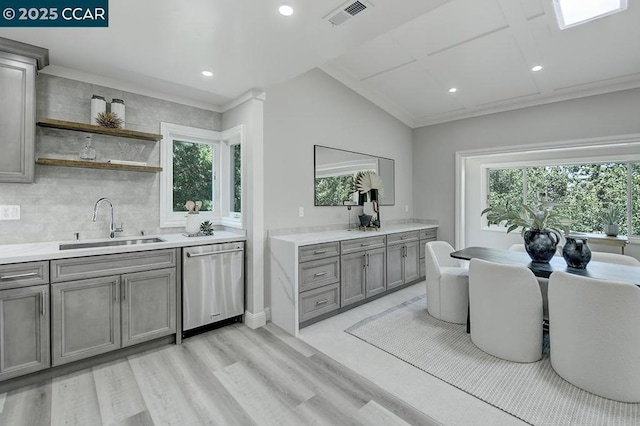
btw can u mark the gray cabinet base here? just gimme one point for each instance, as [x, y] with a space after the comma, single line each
[356, 304]
[51, 373]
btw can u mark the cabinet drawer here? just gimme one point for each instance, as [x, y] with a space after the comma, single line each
[429, 234]
[359, 244]
[318, 273]
[319, 301]
[402, 237]
[318, 251]
[111, 264]
[23, 274]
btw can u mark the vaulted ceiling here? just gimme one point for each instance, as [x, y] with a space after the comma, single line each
[402, 55]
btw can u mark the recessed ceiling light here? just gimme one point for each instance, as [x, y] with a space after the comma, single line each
[207, 73]
[536, 68]
[453, 90]
[575, 12]
[285, 10]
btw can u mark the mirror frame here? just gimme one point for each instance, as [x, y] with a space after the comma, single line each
[393, 167]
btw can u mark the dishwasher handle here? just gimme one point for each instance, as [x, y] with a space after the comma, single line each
[211, 253]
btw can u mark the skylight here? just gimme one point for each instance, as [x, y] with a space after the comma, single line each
[575, 12]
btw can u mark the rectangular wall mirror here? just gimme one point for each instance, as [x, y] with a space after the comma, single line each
[334, 172]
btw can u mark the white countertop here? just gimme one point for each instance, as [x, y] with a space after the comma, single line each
[345, 234]
[16, 253]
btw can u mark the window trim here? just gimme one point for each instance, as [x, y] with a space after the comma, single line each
[220, 142]
[233, 136]
[171, 132]
[576, 145]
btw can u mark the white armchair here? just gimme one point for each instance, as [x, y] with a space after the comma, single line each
[619, 259]
[505, 310]
[594, 332]
[447, 283]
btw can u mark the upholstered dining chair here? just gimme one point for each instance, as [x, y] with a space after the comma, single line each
[505, 311]
[447, 283]
[620, 259]
[594, 332]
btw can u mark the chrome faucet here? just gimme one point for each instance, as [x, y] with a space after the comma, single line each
[112, 226]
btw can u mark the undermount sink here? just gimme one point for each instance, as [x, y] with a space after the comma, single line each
[111, 243]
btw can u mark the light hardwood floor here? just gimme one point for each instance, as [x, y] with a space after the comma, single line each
[230, 376]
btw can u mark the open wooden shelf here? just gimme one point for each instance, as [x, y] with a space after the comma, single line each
[90, 128]
[97, 165]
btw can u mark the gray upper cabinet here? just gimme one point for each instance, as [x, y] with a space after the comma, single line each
[148, 305]
[85, 318]
[24, 331]
[18, 66]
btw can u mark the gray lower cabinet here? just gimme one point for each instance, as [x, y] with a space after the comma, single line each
[99, 315]
[403, 264]
[363, 275]
[148, 305]
[319, 278]
[426, 235]
[24, 331]
[85, 318]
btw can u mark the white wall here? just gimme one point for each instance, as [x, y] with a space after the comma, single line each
[314, 109]
[435, 146]
[250, 114]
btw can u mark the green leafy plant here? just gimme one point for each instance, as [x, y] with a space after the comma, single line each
[544, 215]
[612, 215]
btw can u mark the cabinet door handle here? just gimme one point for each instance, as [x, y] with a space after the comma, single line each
[124, 290]
[13, 277]
[319, 252]
[404, 251]
[43, 308]
[319, 274]
[367, 260]
[322, 302]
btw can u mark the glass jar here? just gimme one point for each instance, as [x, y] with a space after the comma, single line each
[87, 153]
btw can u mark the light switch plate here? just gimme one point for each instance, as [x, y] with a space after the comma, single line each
[9, 212]
[301, 211]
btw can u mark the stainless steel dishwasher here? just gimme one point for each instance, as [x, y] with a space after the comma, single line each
[213, 285]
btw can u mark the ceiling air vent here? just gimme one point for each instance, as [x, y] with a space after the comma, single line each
[347, 11]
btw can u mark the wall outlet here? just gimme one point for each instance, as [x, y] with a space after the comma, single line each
[301, 211]
[9, 212]
[406, 209]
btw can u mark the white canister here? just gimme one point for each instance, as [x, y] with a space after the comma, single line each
[98, 105]
[192, 226]
[117, 107]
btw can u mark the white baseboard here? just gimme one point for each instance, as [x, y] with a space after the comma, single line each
[254, 321]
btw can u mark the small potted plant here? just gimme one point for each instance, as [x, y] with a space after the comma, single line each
[541, 226]
[611, 220]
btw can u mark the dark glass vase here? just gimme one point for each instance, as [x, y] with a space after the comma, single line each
[576, 252]
[540, 244]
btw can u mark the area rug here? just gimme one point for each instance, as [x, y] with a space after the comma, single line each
[532, 392]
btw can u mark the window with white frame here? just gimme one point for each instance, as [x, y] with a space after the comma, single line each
[585, 189]
[201, 165]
